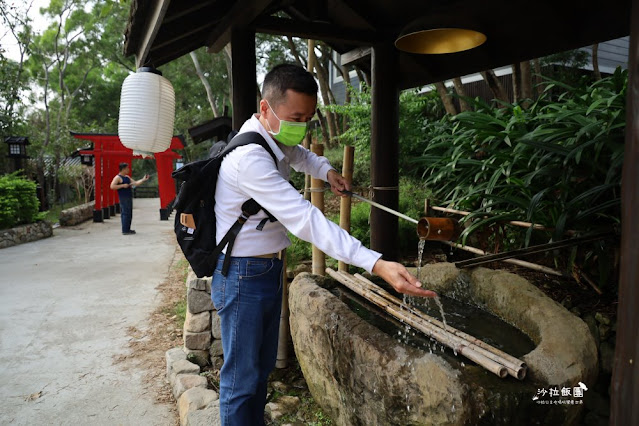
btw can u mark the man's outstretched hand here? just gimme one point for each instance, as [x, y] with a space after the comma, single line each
[398, 276]
[338, 183]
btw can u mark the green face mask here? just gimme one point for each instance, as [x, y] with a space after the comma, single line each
[291, 133]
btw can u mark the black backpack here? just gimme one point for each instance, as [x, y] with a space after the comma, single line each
[195, 207]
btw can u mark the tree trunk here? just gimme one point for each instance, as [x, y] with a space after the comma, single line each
[322, 122]
[229, 70]
[495, 86]
[324, 65]
[539, 85]
[526, 83]
[347, 97]
[295, 53]
[595, 61]
[205, 83]
[459, 88]
[516, 82]
[324, 89]
[446, 98]
[363, 77]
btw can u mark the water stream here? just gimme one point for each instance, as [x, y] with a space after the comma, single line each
[461, 316]
[420, 254]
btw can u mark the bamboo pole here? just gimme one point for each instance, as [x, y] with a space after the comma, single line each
[436, 333]
[345, 202]
[285, 331]
[317, 199]
[512, 222]
[516, 367]
[518, 262]
[307, 139]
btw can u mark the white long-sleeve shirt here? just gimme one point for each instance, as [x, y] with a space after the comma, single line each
[249, 172]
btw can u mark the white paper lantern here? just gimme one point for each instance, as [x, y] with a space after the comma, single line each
[147, 112]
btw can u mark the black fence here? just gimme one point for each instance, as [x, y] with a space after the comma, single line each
[146, 192]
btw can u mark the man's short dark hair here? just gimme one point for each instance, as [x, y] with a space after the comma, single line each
[284, 77]
[122, 166]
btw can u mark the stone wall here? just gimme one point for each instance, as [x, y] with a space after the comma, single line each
[202, 331]
[25, 234]
[77, 214]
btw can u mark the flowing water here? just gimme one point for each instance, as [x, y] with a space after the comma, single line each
[410, 301]
[461, 316]
[438, 302]
[420, 254]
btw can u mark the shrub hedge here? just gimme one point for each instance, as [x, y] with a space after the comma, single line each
[18, 201]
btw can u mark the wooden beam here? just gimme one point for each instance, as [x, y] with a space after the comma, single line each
[241, 15]
[349, 58]
[196, 6]
[243, 81]
[155, 22]
[315, 31]
[624, 396]
[385, 149]
[346, 13]
[167, 37]
[174, 50]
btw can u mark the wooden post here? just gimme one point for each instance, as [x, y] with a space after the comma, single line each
[345, 202]
[624, 396]
[385, 149]
[285, 332]
[317, 198]
[243, 68]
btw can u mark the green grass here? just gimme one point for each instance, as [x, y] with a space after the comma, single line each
[180, 312]
[53, 214]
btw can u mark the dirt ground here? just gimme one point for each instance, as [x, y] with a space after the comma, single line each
[148, 346]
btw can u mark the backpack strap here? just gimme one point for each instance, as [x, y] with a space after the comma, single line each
[247, 138]
[250, 207]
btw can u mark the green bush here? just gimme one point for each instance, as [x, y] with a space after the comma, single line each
[415, 110]
[557, 163]
[18, 201]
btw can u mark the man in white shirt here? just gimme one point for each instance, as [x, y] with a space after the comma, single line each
[248, 298]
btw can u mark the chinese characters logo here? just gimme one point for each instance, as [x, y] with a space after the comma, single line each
[563, 395]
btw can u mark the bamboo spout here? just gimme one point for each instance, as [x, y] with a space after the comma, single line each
[437, 228]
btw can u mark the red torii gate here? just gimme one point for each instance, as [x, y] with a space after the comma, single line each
[108, 152]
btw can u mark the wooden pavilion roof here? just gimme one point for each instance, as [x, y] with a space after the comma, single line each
[160, 31]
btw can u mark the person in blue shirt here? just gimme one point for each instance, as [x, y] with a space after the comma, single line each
[123, 183]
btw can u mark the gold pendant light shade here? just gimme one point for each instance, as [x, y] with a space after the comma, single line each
[440, 33]
[439, 40]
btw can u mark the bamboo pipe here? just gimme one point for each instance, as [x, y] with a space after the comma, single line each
[515, 366]
[523, 263]
[512, 222]
[317, 199]
[413, 321]
[438, 334]
[308, 138]
[345, 202]
[381, 207]
[285, 331]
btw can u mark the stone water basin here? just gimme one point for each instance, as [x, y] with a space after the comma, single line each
[361, 375]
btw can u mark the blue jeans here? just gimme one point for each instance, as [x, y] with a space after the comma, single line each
[126, 213]
[248, 301]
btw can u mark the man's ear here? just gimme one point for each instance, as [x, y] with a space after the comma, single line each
[263, 107]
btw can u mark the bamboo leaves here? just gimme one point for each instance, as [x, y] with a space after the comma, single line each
[557, 163]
